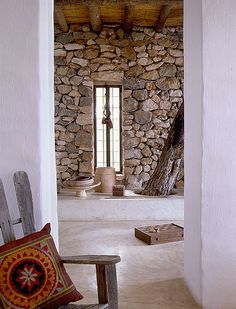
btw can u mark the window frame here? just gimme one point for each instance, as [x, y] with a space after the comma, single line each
[107, 87]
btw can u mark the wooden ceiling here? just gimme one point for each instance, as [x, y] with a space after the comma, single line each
[146, 13]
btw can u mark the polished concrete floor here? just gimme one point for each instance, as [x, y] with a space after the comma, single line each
[149, 277]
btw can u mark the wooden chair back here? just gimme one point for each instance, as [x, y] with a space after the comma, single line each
[105, 265]
[25, 205]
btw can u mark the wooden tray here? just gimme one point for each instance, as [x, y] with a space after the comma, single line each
[160, 234]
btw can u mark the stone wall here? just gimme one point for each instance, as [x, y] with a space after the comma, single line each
[149, 65]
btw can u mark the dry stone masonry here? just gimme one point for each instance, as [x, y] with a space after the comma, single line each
[149, 66]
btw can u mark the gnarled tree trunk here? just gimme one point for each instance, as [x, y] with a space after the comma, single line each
[168, 167]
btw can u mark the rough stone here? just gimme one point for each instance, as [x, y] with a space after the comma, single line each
[133, 83]
[145, 176]
[131, 142]
[135, 71]
[138, 36]
[176, 53]
[166, 42]
[132, 162]
[59, 60]
[60, 52]
[80, 61]
[146, 151]
[151, 75]
[85, 167]
[107, 75]
[149, 105]
[142, 117]
[85, 101]
[130, 105]
[91, 53]
[144, 61]
[168, 83]
[73, 127]
[154, 66]
[84, 119]
[85, 91]
[176, 93]
[167, 70]
[140, 95]
[76, 80]
[106, 67]
[73, 46]
[65, 38]
[64, 89]
[83, 140]
[150, 100]
[129, 53]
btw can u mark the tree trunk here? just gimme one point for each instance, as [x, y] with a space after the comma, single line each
[165, 175]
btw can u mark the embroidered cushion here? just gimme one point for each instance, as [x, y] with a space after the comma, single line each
[32, 274]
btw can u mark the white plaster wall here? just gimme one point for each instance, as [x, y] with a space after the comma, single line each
[193, 143]
[26, 103]
[219, 155]
[210, 150]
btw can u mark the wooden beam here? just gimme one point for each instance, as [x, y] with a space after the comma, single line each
[60, 18]
[128, 19]
[118, 2]
[165, 12]
[95, 18]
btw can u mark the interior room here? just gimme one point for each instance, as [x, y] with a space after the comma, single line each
[98, 86]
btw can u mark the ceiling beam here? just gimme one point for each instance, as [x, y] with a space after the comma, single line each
[128, 19]
[60, 18]
[118, 2]
[165, 12]
[95, 18]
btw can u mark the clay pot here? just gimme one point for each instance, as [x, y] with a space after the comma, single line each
[107, 176]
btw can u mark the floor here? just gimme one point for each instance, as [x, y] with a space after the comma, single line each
[149, 277]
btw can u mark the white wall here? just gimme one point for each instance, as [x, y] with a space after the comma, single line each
[219, 155]
[26, 102]
[193, 91]
[216, 197]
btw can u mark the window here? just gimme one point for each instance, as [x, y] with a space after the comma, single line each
[107, 111]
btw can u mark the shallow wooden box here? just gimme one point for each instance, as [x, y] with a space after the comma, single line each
[160, 234]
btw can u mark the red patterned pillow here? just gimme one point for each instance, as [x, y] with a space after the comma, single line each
[32, 274]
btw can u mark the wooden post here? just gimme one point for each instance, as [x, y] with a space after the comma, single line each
[107, 285]
[128, 19]
[165, 12]
[5, 220]
[60, 18]
[25, 201]
[95, 18]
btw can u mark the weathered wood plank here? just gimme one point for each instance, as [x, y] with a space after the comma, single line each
[107, 285]
[165, 12]
[25, 201]
[5, 220]
[112, 290]
[95, 18]
[91, 259]
[60, 18]
[101, 284]
[128, 19]
[123, 2]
